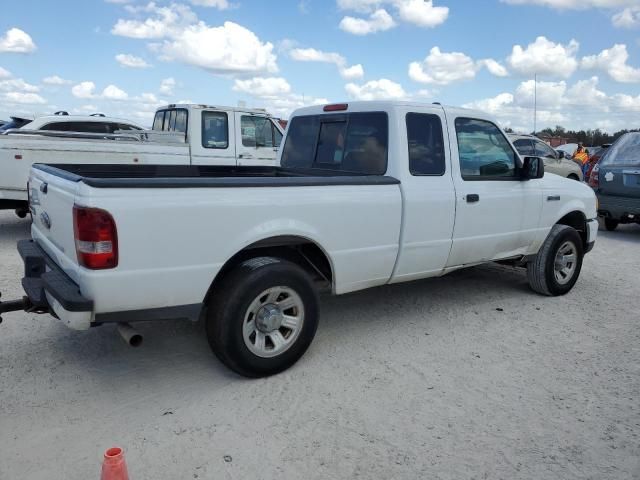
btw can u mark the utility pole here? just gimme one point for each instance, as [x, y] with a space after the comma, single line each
[535, 102]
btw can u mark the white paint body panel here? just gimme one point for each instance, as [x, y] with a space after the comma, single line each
[173, 242]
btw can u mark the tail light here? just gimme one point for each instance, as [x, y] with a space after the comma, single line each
[594, 178]
[96, 238]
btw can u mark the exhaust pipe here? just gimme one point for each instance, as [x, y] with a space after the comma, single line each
[130, 335]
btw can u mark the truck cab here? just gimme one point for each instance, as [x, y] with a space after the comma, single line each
[210, 130]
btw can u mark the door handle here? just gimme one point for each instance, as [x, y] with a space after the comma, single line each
[473, 198]
[245, 155]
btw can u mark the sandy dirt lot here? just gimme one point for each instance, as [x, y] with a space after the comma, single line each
[471, 376]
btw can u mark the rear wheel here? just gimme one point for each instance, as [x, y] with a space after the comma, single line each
[262, 317]
[611, 224]
[573, 176]
[557, 265]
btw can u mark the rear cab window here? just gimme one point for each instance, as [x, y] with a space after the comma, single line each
[215, 129]
[351, 142]
[623, 153]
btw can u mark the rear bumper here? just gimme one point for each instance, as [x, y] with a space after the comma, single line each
[49, 288]
[619, 208]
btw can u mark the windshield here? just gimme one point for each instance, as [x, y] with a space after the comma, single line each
[14, 123]
[625, 152]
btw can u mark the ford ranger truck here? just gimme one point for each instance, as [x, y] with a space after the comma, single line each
[366, 194]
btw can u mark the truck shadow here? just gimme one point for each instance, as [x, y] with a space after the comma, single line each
[624, 233]
[177, 351]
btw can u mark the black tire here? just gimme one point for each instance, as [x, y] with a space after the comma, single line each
[21, 212]
[541, 270]
[231, 301]
[610, 224]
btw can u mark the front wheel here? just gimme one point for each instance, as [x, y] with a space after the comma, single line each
[556, 267]
[610, 224]
[262, 317]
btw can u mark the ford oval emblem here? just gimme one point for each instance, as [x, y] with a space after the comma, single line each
[45, 220]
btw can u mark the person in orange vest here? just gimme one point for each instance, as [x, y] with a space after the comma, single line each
[581, 155]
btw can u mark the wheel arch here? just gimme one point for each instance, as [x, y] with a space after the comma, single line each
[303, 251]
[578, 221]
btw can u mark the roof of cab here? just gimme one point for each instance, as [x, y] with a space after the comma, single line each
[45, 119]
[194, 106]
[385, 105]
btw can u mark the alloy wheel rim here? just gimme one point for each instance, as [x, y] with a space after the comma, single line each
[273, 322]
[565, 263]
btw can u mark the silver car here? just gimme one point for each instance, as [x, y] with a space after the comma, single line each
[554, 161]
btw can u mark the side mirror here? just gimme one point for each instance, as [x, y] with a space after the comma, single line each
[561, 154]
[532, 168]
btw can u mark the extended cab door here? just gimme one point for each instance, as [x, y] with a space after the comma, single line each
[497, 214]
[258, 139]
[211, 137]
[428, 192]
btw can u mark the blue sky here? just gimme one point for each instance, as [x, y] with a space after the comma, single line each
[126, 57]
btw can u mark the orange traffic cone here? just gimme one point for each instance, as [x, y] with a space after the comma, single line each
[113, 466]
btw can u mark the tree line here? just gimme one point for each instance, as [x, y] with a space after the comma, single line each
[588, 137]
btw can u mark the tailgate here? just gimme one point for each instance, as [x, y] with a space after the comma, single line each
[51, 200]
[620, 181]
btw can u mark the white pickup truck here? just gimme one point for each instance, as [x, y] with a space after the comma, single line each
[367, 194]
[196, 135]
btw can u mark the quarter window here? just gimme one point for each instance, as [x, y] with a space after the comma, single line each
[215, 130]
[426, 144]
[485, 154]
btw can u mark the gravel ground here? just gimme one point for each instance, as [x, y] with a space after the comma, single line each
[471, 376]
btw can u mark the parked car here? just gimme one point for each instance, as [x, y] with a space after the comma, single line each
[63, 122]
[3, 122]
[367, 194]
[594, 157]
[182, 134]
[15, 122]
[568, 148]
[554, 162]
[616, 181]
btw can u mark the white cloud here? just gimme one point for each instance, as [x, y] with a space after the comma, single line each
[361, 6]
[167, 21]
[378, 21]
[627, 18]
[443, 68]
[230, 49]
[17, 41]
[382, 89]
[83, 90]
[219, 4]
[111, 92]
[17, 85]
[422, 12]
[4, 73]
[55, 80]
[545, 57]
[263, 87]
[313, 55]
[613, 61]
[494, 67]
[574, 4]
[579, 106]
[131, 61]
[24, 98]
[166, 86]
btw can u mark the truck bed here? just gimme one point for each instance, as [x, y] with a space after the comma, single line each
[205, 176]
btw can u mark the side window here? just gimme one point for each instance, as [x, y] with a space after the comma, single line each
[277, 136]
[426, 144]
[56, 126]
[256, 131]
[215, 130]
[181, 121]
[158, 120]
[484, 152]
[524, 147]
[544, 150]
[170, 125]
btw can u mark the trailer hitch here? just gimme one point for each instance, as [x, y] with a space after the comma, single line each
[15, 306]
